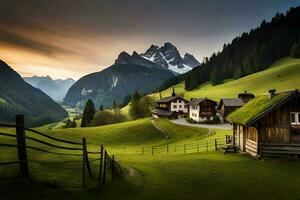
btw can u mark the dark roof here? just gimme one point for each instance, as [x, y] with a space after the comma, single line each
[169, 99]
[246, 94]
[231, 102]
[197, 101]
[161, 112]
[260, 107]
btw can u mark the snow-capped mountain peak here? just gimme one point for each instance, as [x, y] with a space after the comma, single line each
[169, 57]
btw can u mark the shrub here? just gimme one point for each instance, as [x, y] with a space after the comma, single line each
[107, 117]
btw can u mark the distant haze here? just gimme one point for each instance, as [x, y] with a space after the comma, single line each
[71, 38]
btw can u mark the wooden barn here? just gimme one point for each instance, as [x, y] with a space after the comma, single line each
[227, 106]
[202, 109]
[268, 125]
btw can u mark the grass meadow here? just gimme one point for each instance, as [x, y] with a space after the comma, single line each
[209, 175]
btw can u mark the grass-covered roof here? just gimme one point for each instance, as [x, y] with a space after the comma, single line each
[255, 108]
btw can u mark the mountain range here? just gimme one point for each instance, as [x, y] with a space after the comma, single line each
[55, 88]
[167, 57]
[137, 72]
[18, 97]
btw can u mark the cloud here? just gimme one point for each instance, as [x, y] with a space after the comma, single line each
[17, 40]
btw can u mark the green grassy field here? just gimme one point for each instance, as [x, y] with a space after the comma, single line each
[208, 175]
[282, 75]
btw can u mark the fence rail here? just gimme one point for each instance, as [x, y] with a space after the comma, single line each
[108, 164]
[171, 149]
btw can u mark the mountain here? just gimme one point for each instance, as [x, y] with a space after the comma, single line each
[18, 97]
[56, 89]
[166, 57]
[169, 57]
[117, 82]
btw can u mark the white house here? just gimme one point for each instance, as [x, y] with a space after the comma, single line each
[173, 106]
[202, 109]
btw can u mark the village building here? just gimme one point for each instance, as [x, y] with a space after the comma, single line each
[246, 96]
[268, 124]
[227, 106]
[171, 107]
[202, 109]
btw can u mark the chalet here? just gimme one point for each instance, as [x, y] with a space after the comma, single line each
[227, 106]
[171, 107]
[202, 109]
[268, 125]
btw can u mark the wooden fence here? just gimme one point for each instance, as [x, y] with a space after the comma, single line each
[192, 147]
[107, 162]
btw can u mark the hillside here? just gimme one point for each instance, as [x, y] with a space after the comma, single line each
[248, 53]
[115, 83]
[186, 176]
[55, 88]
[18, 97]
[282, 75]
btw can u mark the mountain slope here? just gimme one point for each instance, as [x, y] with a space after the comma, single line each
[114, 83]
[56, 89]
[251, 52]
[18, 97]
[282, 75]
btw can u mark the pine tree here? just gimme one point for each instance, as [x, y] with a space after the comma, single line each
[88, 113]
[135, 110]
[115, 107]
[295, 51]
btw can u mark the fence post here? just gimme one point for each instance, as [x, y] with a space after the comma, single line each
[184, 148]
[142, 150]
[124, 148]
[206, 145]
[104, 168]
[198, 147]
[167, 149]
[216, 145]
[83, 165]
[113, 167]
[86, 157]
[152, 150]
[101, 163]
[21, 142]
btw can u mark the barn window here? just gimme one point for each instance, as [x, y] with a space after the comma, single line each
[295, 118]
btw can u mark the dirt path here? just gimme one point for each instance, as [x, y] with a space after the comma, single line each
[160, 129]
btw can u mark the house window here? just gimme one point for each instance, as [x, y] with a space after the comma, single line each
[174, 106]
[185, 106]
[180, 106]
[179, 101]
[295, 118]
[194, 107]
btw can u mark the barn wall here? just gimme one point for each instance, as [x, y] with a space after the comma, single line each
[251, 141]
[276, 127]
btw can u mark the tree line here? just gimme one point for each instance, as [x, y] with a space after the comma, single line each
[139, 107]
[249, 53]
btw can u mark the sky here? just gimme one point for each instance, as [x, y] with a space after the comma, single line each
[72, 38]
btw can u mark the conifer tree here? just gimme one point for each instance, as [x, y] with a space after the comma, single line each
[88, 113]
[295, 51]
[115, 107]
[135, 106]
